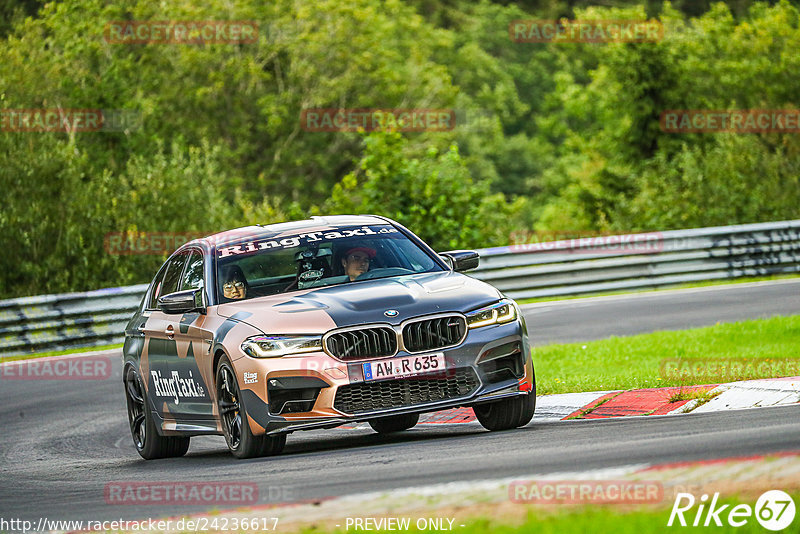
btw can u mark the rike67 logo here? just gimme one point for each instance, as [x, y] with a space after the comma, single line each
[774, 510]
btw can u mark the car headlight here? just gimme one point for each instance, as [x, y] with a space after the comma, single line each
[277, 346]
[504, 311]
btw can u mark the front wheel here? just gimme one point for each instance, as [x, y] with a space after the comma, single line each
[507, 413]
[394, 423]
[149, 443]
[240, 439]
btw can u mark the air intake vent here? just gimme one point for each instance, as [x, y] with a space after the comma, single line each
[371, 396]
[363, 343]
[436, 333]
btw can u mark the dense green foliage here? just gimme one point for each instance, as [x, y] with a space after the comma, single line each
[558, 137]
[434, 192]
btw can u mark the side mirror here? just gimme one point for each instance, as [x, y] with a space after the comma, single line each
[182, 302]
[461, 260]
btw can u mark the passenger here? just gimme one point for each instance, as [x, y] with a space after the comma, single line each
[235, 285]
[357, 260]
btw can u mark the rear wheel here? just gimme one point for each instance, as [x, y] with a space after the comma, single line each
[240, 439]
[149, 444]
[394, 423]
[507, 413]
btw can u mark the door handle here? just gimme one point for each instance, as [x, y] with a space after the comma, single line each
[170, 331]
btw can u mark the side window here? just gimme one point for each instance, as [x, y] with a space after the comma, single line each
[193, 277]
[152, 303]
[173, 275]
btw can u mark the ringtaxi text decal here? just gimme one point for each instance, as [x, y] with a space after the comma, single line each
[774, 510]
[303, 239]
[176, 387]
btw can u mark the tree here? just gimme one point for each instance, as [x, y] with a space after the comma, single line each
[432, 195]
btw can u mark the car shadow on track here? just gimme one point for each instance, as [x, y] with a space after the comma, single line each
[329, 442]
[319, 442]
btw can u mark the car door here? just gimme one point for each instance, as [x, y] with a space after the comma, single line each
[174, 380]
[193, 341]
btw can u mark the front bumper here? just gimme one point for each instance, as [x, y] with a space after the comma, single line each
[491, 363]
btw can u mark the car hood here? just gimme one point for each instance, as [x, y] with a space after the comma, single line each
[319, 310]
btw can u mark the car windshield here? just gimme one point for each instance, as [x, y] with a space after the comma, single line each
[283, 263]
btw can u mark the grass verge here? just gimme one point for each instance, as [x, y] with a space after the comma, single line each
[692, 394]
[763, 348]
[600, 519]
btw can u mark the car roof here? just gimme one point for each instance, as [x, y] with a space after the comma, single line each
[259, 231]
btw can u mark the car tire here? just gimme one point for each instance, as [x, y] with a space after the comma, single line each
[507, 413]
[148, 442]
[233, 415]
[394, 423]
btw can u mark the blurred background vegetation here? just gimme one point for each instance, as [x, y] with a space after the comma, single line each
[558, 137]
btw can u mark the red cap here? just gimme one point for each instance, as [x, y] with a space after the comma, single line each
[370, 252]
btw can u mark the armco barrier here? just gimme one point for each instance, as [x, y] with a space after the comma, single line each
[560, 268]
[641, 261]
[55, 322]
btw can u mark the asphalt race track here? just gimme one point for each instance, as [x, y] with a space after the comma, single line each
[63, 441]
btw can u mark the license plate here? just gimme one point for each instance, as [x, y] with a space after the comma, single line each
[408, 366]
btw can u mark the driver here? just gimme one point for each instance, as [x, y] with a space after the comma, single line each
[357, 260]
[235, 285]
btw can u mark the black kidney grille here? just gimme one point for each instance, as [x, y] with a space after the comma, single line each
[362, 344]
[371, 396]
[430, 334]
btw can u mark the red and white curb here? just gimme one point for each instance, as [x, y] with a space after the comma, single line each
[753, 394]
[656, 401]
